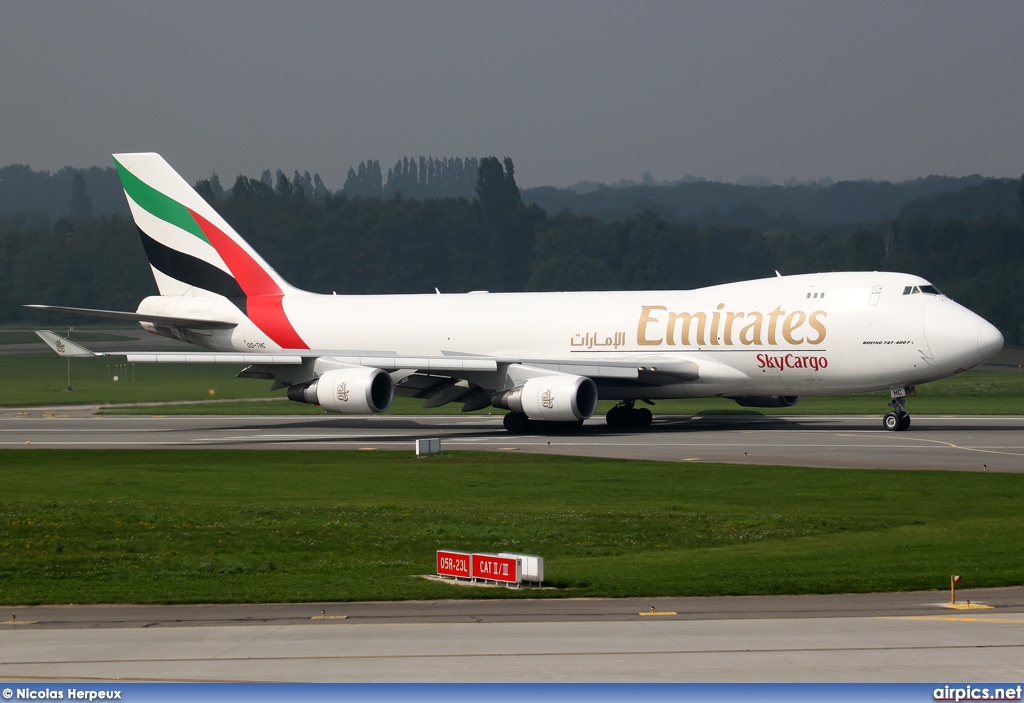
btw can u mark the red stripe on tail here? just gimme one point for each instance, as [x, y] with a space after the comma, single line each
[263, 297]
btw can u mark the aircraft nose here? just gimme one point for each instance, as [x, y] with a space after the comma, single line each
[958, 338]
[990, 340]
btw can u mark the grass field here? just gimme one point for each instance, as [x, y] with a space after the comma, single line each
[209, 526]
[41, 379]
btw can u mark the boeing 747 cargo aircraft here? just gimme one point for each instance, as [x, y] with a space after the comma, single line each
[545, 357]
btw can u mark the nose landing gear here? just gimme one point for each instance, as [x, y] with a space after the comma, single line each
[898, 419]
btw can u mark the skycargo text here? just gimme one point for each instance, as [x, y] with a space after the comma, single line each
[791, 361]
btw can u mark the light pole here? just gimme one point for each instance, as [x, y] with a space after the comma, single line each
[69, 358]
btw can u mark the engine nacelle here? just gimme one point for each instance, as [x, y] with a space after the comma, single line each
[354, 390]
[767, 401]
[557, 398]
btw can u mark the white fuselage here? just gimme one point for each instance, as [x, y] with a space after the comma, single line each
[812, 334]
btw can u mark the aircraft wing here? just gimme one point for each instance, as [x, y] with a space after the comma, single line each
[382, 360]
[191, 322]
[437, 380]
[447, 365]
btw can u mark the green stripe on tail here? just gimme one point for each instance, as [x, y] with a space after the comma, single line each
[157, 204]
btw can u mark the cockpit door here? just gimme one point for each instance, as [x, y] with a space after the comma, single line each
[876, 293]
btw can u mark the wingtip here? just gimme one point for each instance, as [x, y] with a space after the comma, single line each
[63, 347]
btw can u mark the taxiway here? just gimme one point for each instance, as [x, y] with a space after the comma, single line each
[903, 637]
[974, 443]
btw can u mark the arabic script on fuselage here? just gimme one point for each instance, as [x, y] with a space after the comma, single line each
[589, 340]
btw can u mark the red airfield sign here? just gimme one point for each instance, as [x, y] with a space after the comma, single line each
[490, 567]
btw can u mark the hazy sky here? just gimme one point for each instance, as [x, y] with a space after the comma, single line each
[594, 90]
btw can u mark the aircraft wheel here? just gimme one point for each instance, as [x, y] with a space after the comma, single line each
[622, 416]
[896, 422]
[891, 422]
[516, 422]
[616, 417]
[643, 417]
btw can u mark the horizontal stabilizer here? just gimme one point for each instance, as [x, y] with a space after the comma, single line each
[190, 322]
[65, 347]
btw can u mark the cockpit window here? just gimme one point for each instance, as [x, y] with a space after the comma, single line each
[927, 290]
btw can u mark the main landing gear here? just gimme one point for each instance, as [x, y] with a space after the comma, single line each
[624, 416]
[516, 422]
[898, 419]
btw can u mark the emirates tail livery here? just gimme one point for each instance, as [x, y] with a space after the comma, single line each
[545, 357]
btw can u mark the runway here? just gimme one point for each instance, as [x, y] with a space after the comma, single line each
[905, 637]
[975, 443]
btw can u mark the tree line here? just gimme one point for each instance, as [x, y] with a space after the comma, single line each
[426, 177]
[799, 207]
[328, 242]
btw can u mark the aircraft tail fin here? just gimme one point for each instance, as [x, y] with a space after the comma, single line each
[194, 252]
[191, 249]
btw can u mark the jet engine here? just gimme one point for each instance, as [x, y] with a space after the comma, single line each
[557, 398]
[351, 390]
[767, 401]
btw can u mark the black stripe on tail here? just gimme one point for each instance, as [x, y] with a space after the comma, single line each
[192, 271]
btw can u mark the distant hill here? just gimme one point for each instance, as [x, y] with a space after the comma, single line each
[993, 198]
[707, 202]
